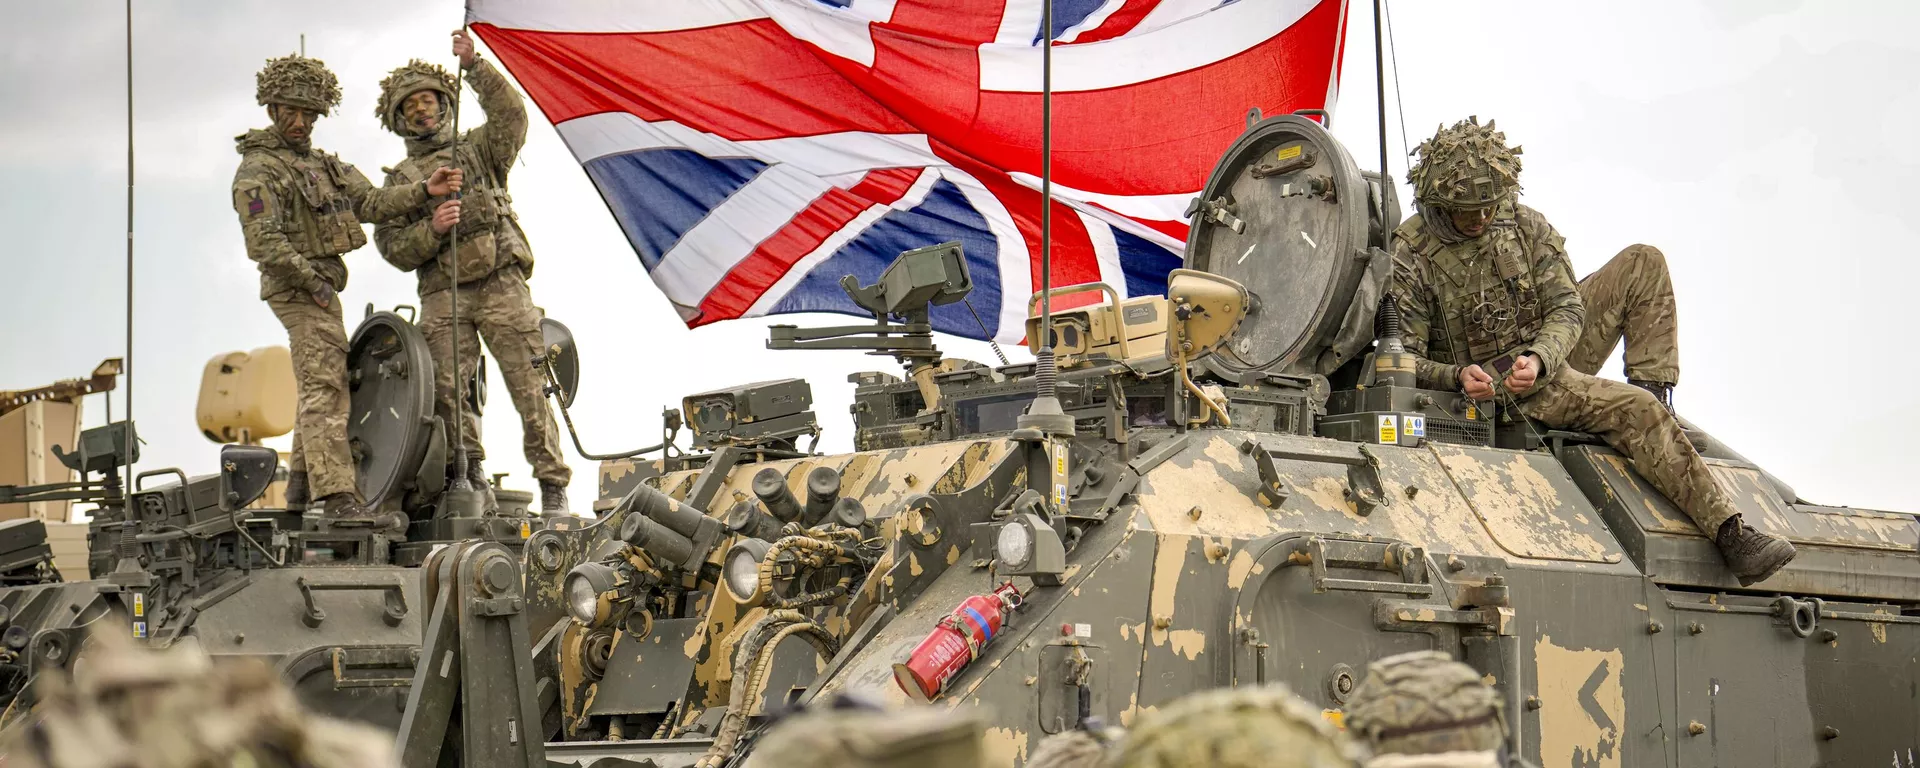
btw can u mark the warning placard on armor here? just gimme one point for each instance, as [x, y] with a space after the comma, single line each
[1415, 426]
[1389, 429]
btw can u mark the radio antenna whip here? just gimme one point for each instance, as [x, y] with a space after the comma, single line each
[1045, 414]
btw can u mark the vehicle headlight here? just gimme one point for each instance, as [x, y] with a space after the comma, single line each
[584, 585]
[1014, 545]
[742, 570]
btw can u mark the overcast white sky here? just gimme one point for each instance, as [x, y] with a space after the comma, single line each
[1766, 147]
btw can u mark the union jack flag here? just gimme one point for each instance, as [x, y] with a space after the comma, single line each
[754, 151]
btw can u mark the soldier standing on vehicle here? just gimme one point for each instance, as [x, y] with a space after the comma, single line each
[1486, 290]
[1425, 709]
[1631, 297]
[416, 102]
[301, 210]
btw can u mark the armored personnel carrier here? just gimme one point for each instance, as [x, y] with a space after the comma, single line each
[338, 607]
[1232, 484]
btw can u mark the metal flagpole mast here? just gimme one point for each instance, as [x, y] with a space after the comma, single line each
[1045, 414]
[459, 481]
[1380, 90]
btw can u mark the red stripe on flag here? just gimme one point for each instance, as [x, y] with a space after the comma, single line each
[1121, 22]
[1074, 261]
[745, 81]
[754, 275]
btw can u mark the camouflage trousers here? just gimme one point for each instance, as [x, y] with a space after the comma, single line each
[1632, 298]
[1636, 424]
[500, 309]
[317, 338]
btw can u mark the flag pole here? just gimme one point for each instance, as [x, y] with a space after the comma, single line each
[126, 489]
[460, 497]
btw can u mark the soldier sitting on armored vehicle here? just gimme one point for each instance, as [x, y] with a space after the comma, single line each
[1490, 307]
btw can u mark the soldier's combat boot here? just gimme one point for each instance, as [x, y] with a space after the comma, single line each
[1752, 555]
[297, 493]
[344, 506]
[1662, 391]
[553, 499]
[477, 476]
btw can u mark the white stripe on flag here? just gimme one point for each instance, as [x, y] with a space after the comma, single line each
[1168, 207]
[1106, 252]
[1091, 22]
[611, 15]
[706, 253]
[831, 154]
[916, 194]
[1190, 44]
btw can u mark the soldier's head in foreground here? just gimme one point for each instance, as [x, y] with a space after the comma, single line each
[1463, 176]
[1425, 703]
[1092, 747]
[850, 733]
[415, 100]
[1263, 727]
[296, 91]
[128, 707]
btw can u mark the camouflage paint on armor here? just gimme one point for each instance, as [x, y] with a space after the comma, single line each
[912, 738]
[301, 211]
[318, 341]
[1425, 702]
[1631, 297]
[1254, 727]
[1461, 304]
[1508, 292]
[490, 236]
[501, 310]
[128, 707]
[494, 258]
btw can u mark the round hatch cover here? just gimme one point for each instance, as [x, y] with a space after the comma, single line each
[390, 375]
[566, 363]
[1285, 214]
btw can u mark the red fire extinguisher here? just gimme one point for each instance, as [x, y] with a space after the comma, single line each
[955, 642]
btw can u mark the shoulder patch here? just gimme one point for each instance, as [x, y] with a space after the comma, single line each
[251, 198]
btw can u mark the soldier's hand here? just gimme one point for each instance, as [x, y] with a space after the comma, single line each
[1525, 371]
[1477, 384]
[445, 180]
[323, 295]
[445, 216]
[463, 48]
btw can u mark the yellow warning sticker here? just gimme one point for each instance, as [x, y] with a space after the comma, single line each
[1389, 429]
[526, 529]
[1335, 717]
[1288, 153]
[139, 604]
[1473, 413]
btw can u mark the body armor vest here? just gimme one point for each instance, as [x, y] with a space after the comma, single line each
[1485, 291]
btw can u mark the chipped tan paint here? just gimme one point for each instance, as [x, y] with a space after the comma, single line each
[1169, 558]
[1241, 566]
[1879, 631]
[1188, 642]
[1518, 505]
[913, 564]
[953, 554]
[1566, 728]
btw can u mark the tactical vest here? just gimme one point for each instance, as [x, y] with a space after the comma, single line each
[490, 236]
[319, 221]
[1486, 300]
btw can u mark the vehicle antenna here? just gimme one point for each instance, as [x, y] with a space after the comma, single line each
[127, 487]
[1380, 88]
[1046, 414]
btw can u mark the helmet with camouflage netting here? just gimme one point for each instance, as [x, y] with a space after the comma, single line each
[405, 81]
[1423, 703]
[1466, 166]
[1262, 727]
[297, 81]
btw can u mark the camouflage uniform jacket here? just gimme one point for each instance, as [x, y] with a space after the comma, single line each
[300, 211]
[1486, 300]
[490, 236]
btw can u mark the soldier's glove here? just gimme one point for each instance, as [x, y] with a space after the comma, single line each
[324, 295]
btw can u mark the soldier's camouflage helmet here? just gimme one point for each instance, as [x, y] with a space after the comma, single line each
[297, 81]
[1466, 166]
[129, 707]
[923, 737]
[1263, 727]
[406, 81]
[1425, 703]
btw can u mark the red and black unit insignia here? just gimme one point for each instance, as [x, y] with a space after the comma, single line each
[255, 206]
